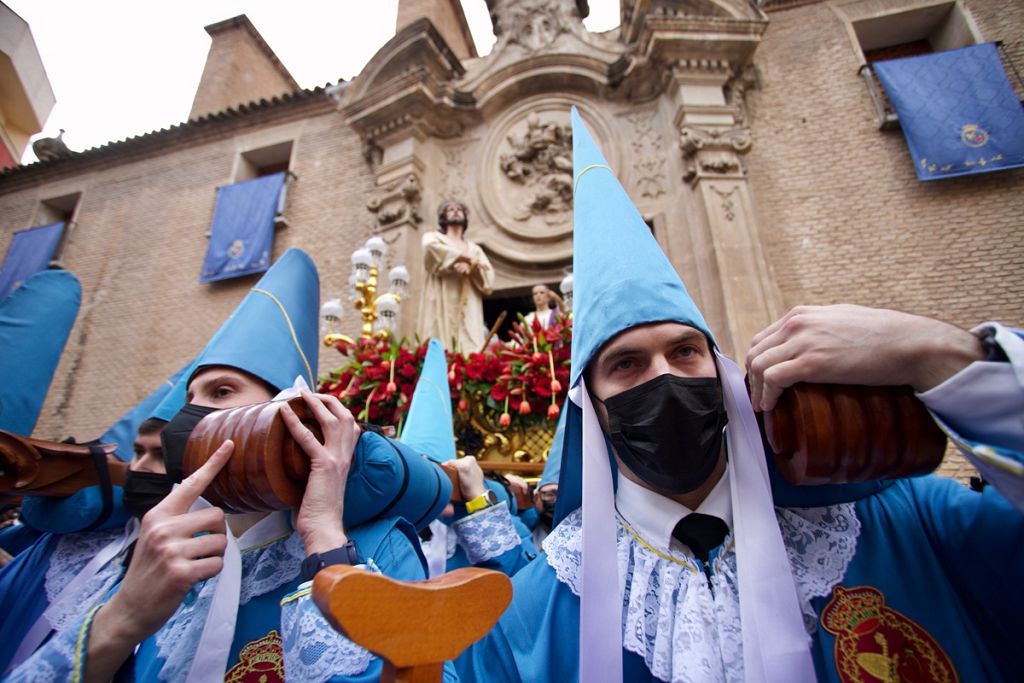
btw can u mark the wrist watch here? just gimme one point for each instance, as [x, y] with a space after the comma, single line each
[346, 554]
[484, 500]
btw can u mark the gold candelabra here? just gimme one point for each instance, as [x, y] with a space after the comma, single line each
[378, 313]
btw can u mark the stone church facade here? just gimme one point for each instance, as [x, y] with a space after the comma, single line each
[766, 167]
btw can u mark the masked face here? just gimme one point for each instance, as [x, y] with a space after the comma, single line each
[146, 482]
[668, 431]
[656, 391]
[143, 490]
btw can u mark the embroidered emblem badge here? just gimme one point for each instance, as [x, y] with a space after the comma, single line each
[973, 136]
[260, 661]
[236, 249]
[877, 643]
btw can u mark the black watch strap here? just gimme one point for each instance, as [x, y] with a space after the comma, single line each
[346, 554]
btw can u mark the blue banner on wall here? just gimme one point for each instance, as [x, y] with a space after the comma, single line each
[957, 110]
[243, 228]
[29, 253]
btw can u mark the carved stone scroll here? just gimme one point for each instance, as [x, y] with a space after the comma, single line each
[398, 201]
[709, 152]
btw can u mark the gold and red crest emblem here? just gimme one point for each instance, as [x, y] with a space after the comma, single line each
[877, 643]
[260, 661]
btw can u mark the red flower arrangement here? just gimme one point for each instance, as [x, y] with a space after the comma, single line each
[520, 381]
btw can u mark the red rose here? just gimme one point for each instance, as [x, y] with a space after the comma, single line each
[499, 392]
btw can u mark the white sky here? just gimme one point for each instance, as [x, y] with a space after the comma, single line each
[120, 68]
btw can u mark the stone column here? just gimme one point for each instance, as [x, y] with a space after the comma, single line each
[712, 145]
[397, 215]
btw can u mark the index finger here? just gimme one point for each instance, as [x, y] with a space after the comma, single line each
[180, 499]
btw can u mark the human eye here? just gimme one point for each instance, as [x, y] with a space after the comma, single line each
[223, 391]
[625, 364]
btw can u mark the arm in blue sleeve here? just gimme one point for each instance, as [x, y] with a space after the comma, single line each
[980, 410]
[491, 541]
[61, 658]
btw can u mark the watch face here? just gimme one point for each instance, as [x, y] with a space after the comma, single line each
[492, 497]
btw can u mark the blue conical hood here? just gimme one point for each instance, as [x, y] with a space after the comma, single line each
[428, 426]
[553, 465]
[35, 321]
[272, 334]
[621, 277]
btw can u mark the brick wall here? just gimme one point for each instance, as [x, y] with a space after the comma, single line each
[139, 245]
[843, 217]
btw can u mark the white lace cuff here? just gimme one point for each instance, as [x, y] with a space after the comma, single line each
[313, 651]
[62, 658]
[487, 534]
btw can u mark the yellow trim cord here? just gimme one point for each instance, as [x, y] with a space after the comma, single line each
[295, 596]
[591, 167]
[298, 347]
[83, 635]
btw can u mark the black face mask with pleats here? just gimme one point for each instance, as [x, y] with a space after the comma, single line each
[668, 431]
[143, 490]
[175, 435]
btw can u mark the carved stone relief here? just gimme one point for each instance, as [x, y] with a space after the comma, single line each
[713, 152]
[728, 203]
[648, 155]
[454, 184]
[540, 160]
[523, 180]
[397, 201]
[532, 24]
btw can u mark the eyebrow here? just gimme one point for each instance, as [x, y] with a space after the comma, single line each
[207, 383]
[615, 353]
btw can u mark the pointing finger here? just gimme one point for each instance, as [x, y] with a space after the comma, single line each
[180, 499]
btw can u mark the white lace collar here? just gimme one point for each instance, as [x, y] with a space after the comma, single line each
[71, 555]
[271, 556]
[654, 516]
[685, 629]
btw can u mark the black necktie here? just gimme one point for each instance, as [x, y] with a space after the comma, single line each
[701, 534]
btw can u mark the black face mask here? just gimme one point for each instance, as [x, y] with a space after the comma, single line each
[143, 490]
[668, 431]
[175, 435]
[547, 513]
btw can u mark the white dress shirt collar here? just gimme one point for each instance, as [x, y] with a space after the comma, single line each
[654, 517]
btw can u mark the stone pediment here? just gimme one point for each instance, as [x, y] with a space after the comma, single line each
[408, 82]
[542, 46]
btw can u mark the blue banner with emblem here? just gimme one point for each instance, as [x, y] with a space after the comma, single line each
[243, 228]
[29, 253]
[957, 110]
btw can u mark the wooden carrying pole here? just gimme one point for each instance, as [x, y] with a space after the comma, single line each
[33, 467]
[414, 626]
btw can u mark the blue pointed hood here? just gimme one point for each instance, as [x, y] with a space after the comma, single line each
[621, 277]
[272, 334]
[123, 431]
[35, 322]
[553, 465]
[428, 426]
